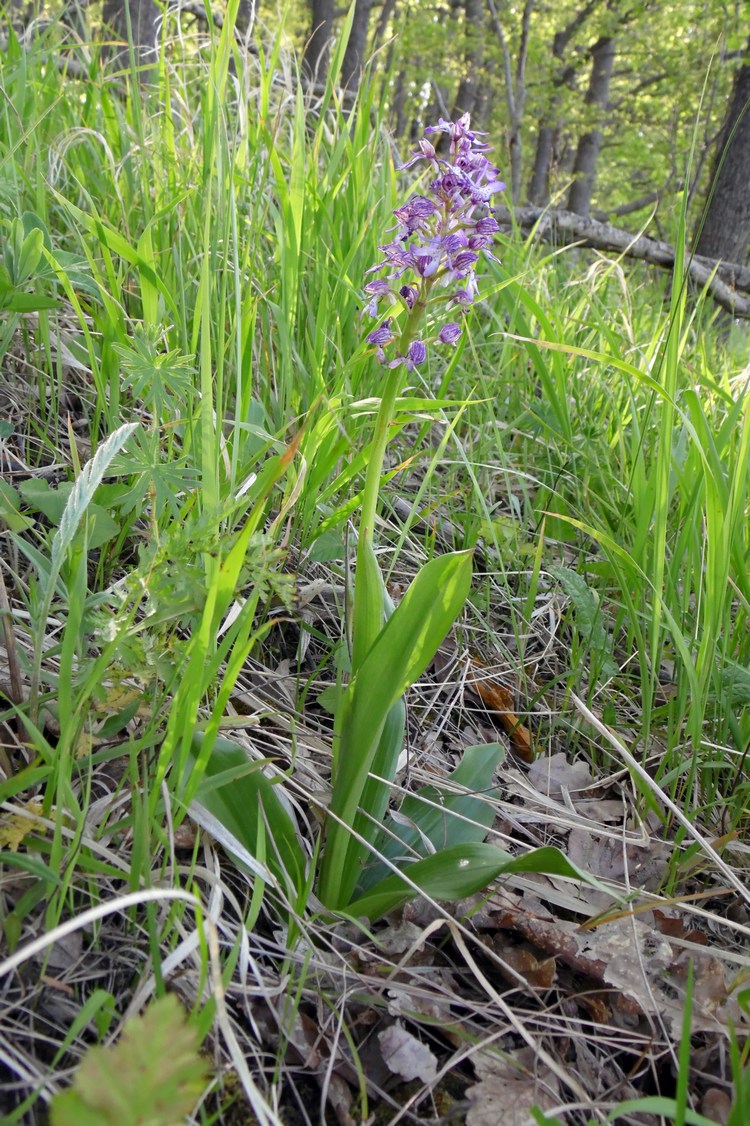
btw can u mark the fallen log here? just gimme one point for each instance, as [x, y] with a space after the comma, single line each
[727, 282]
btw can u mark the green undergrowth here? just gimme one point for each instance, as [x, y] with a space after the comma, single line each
[189, 403]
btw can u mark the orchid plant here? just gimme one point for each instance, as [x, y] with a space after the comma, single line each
[431, 269]
[370, 861]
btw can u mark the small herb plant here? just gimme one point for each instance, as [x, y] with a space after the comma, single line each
[366, 868]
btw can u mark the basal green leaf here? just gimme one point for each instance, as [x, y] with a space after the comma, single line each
[247, 805]
[369, 604]
[440, 815]
[401, 653]
[459, 871]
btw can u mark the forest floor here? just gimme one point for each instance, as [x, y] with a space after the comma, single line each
[181, 360]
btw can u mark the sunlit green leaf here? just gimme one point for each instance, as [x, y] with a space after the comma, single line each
[401, 653]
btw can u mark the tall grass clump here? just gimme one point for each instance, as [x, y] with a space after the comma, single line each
[623, 442]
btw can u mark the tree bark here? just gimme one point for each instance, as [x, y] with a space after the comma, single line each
[245, 17]
[550, 125]
[383, 19]
[400, 105]
[317, 50]
[727, 282]
[144, 27]
[515, 90]
[589, 144]
[726, 230]
[355, 54]
[540, 174]
[468, 88]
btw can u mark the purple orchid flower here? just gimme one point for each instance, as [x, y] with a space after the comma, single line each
[440, 238]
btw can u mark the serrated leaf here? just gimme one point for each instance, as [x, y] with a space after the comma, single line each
[588, 618]
[52, 503]
[15, 302]
[16, 827]
[152, 1077]
[327, 547]
[9, 509]
[39, 496]
[32, 222]
[735, 682]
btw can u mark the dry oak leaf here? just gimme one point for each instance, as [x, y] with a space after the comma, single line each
[499, 700]
[508, 1088]
[553, 774]
[407, 1056]
[16, 827]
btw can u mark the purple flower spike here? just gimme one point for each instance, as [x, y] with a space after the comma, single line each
[440, 238]
[375, 290]
[409, 294]
[426, 152]
[450, 333]
[487, 226]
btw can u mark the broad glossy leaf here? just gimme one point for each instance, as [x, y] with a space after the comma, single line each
[442, 815]
[376, 794]
[459, 871]
[401, 653]
[241, 797]
[369, 604]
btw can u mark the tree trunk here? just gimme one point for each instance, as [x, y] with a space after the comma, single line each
[317, 51]
[245, 17]
[515, 89]
[468, 88]
[380, 28]
[355, 55]
[726, 231]
[143, 17]
[728, 283]
[550, 126]
[587, 153]
[400, 105]
[540, 175]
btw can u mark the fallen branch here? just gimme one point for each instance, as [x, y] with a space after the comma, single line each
[727, 282]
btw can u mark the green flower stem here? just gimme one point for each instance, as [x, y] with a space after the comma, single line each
[383, 423]
[375, 463]
[363, 592]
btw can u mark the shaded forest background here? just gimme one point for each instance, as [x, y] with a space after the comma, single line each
[608, 109]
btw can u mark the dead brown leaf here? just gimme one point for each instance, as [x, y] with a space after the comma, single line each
[523, 959]
[716, 1105]
[406, 1056]
[553, 774]
[499, 700]
[508, 1088]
